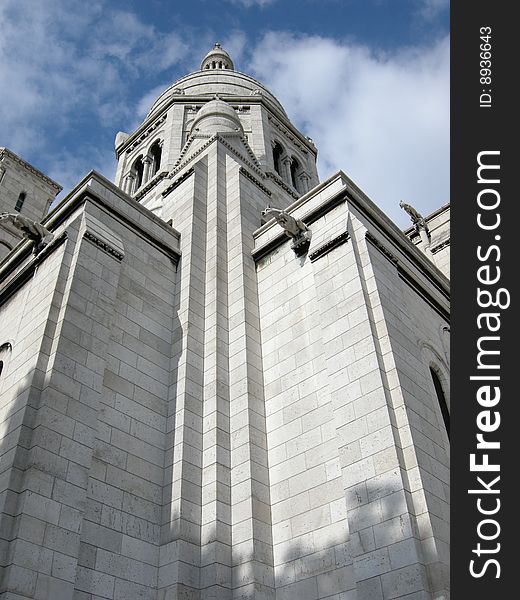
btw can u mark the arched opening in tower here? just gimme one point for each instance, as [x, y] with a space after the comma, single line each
[295, 168]
[138, 171]
[441, 399]
[156, 155]
[277, 155]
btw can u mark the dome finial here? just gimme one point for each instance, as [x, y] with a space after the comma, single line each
[217, 58]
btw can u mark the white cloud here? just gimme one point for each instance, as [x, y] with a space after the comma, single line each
[381, 118]
[62, 65]
[68, 169]
[429, 9]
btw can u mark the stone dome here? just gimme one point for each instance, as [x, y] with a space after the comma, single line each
[217, 58]
[225, 82]
[216, 116]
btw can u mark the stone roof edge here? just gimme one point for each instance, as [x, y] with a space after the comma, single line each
[98, 188]
[352, 193]
[31, 169]
[95, 188]
[225, 72]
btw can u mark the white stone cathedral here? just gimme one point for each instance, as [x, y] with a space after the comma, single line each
[220, 377]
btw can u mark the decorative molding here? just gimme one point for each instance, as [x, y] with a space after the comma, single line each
[31, 169]
[182, 161]
[260, 185]
[381, 247]
[103, 245]
[293, 228]
[327, 247]
[146, 133]
[287, 134]
[151, 184]
[177, 182]
[278, 180]
[255, 164]
[440, 246]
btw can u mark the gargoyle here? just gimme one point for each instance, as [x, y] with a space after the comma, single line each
[293, 228]
[417, 219]
[31, 230]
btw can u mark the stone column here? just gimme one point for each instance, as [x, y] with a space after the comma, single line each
[147, 162]
[425, 239]
[129, 184]
[286, 169]
[304, 179]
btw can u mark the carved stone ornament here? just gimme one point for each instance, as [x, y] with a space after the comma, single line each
[293, 228]
[417, 219]
[31, 230]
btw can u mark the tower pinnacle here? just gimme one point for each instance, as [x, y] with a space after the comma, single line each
[217, 58]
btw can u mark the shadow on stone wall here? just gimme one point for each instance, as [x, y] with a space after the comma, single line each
[380, 557]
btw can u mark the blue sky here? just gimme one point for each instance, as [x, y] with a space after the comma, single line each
[368, 80]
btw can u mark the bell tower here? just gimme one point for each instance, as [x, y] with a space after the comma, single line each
[272, 151]
[215, 149]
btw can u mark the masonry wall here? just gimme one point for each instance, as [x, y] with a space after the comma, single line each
[416, 338]
[352, 421]
[85, 398]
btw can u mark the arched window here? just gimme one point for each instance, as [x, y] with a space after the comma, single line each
[5, 352]
[441, 399]
[277, 155]
[295, 168]
[20, 201]
[156, 154]
[138, 170]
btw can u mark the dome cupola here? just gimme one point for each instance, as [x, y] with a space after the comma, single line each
[216, 117]
[217, 58]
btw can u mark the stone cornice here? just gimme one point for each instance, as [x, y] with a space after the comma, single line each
[260, 185]
[103, 245]
[381, 247]
[279, 181]
[140, 135]
[31, 169]
[296, 140]
[177, 182]
[95, 188]
[440, 246]
[151, 184]
[221, 137]
[328, 246]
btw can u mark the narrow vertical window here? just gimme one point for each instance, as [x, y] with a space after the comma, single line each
[5, 350]
[156, 154]
[277, 155]
[294, 171]
[441, 399]
[20, 201]
[139, 171]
